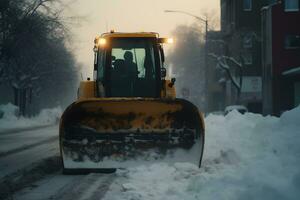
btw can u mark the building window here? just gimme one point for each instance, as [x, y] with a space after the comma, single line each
[247, 5]
[247, 58]
[247, 41]
[291, 5]
[292, 41]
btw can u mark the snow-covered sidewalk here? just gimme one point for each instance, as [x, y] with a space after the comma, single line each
[9, 122]
[246, 157]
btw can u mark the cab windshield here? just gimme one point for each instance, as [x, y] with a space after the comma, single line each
[133, 71]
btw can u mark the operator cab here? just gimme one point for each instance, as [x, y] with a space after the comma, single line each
[130, 67]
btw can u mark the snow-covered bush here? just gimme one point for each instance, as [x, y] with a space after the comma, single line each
[49, 116]
[9, 112]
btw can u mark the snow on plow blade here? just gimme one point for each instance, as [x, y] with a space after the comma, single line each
[103, 134]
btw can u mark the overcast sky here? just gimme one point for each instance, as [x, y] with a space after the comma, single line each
[129, 15]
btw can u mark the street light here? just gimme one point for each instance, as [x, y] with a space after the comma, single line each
[195, 16]
[205, 48]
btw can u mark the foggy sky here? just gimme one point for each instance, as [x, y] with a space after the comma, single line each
[128, 15]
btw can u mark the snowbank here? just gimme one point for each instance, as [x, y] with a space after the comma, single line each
[246, 157]
[9, 119]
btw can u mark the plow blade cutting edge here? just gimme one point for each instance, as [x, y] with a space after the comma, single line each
[104, 134]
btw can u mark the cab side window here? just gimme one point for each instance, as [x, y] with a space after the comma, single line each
[101, 65]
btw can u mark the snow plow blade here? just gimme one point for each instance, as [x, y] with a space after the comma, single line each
[100, 135]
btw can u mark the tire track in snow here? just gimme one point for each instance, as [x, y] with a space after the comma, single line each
[91, 187]
[29, 146]
[67, 187]
[20, 130]
[23, 159]
[12, 183]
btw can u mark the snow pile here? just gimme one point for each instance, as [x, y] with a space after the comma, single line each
[9, 118]
[246, 157]
[49, 116]
[291, 118]
[8, 111]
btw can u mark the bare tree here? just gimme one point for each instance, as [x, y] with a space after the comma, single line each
[187, 61]
[233, 69]
[233, 59]
[33, 48]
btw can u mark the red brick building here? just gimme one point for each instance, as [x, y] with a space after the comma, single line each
[281, 56]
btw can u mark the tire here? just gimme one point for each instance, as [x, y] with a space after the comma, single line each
[85, 171]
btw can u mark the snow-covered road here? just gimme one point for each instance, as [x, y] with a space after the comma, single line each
[58, 186]
[246, 157]
[18, 140]
[21, 149]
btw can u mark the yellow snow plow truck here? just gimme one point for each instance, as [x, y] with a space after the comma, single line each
[129, 114]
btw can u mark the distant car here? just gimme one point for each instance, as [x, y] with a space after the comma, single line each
[240, 108]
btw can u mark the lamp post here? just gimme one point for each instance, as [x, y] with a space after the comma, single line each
[205, 48]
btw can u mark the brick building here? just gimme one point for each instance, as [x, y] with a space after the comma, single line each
[281, 56]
